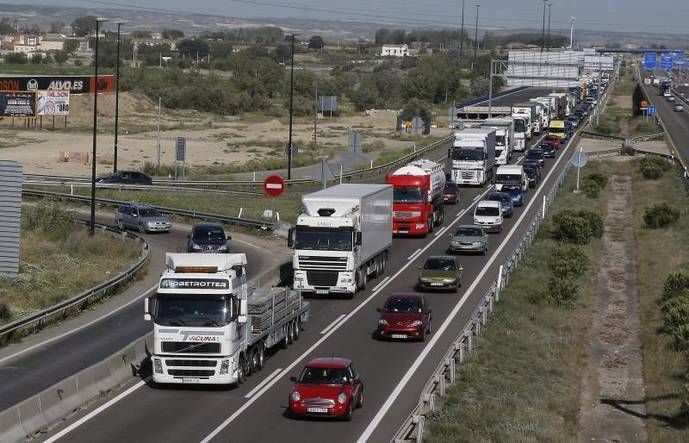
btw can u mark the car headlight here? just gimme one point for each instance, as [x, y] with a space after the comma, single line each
[383, 322]
[456, 243]
[195, 246]
[224, 367]
[342, 398]
[222, 248]
[448, 280]
[158, 366]
[417, 323]
[295, 396]
[478, 243]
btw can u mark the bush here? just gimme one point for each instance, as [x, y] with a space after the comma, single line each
[675, 284]
[677, 312]
[375, 145]
[577, 227]
[599, 178]
[562, 291]
[49, 217]
[591, 188]
[5, 312]
[568, 261]
[652, 167]
[660, 216]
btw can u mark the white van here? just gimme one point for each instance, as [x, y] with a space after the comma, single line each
[488, 214]
[511, 175]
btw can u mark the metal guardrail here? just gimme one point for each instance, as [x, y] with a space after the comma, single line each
[39, 318]
[121, 187]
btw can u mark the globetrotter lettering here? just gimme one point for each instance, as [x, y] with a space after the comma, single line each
[177, 283]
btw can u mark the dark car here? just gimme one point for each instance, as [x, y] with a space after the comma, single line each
[327, 388]
[208, 237]
[553, 140]
[505, 199]
[534, 163]
[404, 317]
[533, 174]
[515, 192]
[536, 154]
[126, 178]
[548, 150]
[451, 193]
[144, 218]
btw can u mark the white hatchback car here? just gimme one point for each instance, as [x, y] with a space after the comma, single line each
[488, 214]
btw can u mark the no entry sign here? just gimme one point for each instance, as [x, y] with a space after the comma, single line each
[274, 185]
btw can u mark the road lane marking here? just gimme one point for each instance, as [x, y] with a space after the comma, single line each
[375, 288]
[313, 347]
[441, 232]
[389, 403]
[332, 325]
[102, 408]
[413, 256]
[266, 380]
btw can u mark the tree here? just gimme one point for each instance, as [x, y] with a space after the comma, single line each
[172, 34]
[36, 59]
[16, 58]
[141, 34]
[85, 25]
[316, 42]
[56, 27]
[6, 26]
[282, 52]
[192, 48]
[60, 57]
[70, 46]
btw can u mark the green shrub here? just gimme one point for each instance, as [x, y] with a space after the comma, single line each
[677, 312]
[660, 216]
[676, 284]
[591, 188]
[568, 261]
[680, 338]
[375, 145]
[5, 312]
[652, 167]
[599, 178]
[49, 217]
[562, 290]
[577, 227]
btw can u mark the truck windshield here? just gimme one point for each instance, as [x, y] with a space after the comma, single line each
[192, 310]
[519, 125]
[500, 140]
[323, 239]
[471, 154]
[508, 178]
[407, 195]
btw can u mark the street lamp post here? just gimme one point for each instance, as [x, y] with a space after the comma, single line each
[543, 28]
[461, 33]
[550, 6]
[475, 39]
[95, 130]
[117, 98]
[291, 109]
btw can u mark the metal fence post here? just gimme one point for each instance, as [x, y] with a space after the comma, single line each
[453, 370]
[420, 424]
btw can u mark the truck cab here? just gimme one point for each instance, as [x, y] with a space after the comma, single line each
[521, 131]
[511, 175]
[472, 156]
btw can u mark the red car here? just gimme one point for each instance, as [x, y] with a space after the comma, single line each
[404, 317]
[552, 140]
[451, 193]
[327, 387]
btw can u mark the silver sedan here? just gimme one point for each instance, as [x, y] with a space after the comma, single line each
[469, 238]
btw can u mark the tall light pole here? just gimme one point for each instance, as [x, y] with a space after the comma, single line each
[550, 5]
[475, 39]
[461, 33]
[95, 129]
[117, 97]
[571, 34]
[543, 28]
[291, 109]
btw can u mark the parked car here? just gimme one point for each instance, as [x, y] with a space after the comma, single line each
[126, 178]
[208, 237]
[143, 218]
[533, 173]
[451, 193]
[679, 108]
[440, 272]
[404, 317]
[327, 387]
[548, 150]
[505, 199]
[536, 154]
[515, 193]
[488, 214]
[553, 140]
[469, 238]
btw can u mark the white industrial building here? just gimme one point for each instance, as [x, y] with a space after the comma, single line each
[395, 51]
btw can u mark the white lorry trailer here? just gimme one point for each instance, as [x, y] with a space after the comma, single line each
[473, 116]
[528, 110]
[208, 328]
[521, 131]
[342, 238]
[543, 108]
[504, 138]
[473, 156]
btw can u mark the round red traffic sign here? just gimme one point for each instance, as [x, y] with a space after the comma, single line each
[274, 185]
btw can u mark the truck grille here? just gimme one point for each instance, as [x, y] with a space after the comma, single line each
[323, 263]
[468, 175]
[191, 347]
[322, 278]
[190, 372]
[197, 363]
[402, 214]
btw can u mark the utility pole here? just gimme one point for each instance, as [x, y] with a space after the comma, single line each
[571, 34]
[543, 28]
[315, 116]
[291, 110]
[461, 33]
[550, 5]
[95, 130]
[117, 98]
[475, 39]
[158, 137]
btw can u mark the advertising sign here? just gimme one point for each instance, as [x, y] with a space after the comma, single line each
[53, 102]
[18, 104]
[76, 84]
[180, 149]
[650, 60]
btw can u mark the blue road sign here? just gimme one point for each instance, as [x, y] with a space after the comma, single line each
[666, 61]
[650, 60]
[651, 110]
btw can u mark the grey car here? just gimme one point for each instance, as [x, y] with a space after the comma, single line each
[143, 218]
[469, 238]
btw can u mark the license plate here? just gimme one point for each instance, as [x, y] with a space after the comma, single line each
[190, 380]
[322, 291]
[402, 231]
[437, 284]
[398, 336]
[318, 410]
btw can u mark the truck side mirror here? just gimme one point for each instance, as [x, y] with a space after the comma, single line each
[243, 308]
[358, 239]
[147, 309]
[290, 238]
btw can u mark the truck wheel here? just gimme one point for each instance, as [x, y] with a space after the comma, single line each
[431, 222]
[241, 369]
[361, 279]
[297, 329]
[257, 357]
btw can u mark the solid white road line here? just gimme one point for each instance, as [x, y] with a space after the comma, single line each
[72, 331]
[411, 257]
[441, 232]
[88, 417]
[267, 379]
[313, 347]
[450, 318]
[332, 325]
[375, 288]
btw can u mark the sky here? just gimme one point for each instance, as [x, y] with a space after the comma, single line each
[642, 16]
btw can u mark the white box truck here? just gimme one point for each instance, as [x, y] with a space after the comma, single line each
[342, 238]
[511, 175]
[504, 138]
[208, 328]
[473, 156]
[521, 131]
[543, 108]
[527, 109]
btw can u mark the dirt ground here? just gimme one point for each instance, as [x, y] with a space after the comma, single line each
[210, 139]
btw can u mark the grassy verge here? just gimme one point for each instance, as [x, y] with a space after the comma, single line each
[58, 261]
[659, 252]
[523, 383]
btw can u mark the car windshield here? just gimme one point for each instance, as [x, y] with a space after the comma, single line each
[505, 178]
[519, 126]
[149, 212]
[196, 310]
[324, 376]
[403, 305]
[499, 197]
[511, 189]
[440, 264]
[534, 154]
[487, 211]
[469, 154]
[407, 195]
[469, 232]
[323, 239]
[208, 233]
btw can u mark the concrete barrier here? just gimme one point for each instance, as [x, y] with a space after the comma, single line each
[37, 413]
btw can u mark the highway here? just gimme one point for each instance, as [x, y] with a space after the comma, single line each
[336, 327]
[32, 372]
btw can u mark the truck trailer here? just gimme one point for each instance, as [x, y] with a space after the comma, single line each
[473, 156]
[208, 328]
[342, 238]
[504, 138]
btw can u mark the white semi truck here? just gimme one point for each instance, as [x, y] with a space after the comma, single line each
[208, 328]
[473, 156]
[521, 131]
[342, 238]
[543, 109]
[504, 138]
[528, 111]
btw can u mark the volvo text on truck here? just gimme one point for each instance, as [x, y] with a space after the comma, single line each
[208, 328]
[504, 138]
[342, 238]
[473, 156]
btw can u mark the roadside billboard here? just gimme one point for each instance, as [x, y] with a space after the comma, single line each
[18, 104]
[75, 84]
[53, 102]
